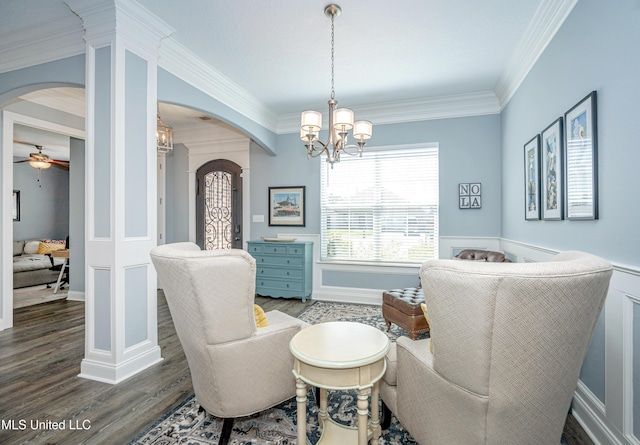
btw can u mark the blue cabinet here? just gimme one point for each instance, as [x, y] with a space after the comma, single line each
[282, 269]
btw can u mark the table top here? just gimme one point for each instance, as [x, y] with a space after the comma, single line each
[339, 344]
[60, 253]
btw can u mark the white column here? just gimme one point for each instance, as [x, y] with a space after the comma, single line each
[122, 41]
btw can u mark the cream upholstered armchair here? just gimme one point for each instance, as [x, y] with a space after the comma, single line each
[236, 368]
[508, 344]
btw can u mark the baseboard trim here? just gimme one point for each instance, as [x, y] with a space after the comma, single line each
[75, 295]
[116, 373]
[592, 420]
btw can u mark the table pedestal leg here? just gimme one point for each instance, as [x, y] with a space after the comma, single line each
[375, 414]
[323, 416]
[301, 399]
[363, 416]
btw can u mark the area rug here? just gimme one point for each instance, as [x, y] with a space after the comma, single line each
[189, 424]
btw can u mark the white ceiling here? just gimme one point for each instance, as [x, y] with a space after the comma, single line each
[279, 50]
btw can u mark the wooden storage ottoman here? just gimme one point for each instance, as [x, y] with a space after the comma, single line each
[402, 307]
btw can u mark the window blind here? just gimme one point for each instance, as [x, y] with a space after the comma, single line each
[382, 207]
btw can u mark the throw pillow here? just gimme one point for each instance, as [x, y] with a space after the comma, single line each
[423, 306]
[47, 246]
[31, 247]
[261, 318]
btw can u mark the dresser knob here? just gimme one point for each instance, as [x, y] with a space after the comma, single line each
[262, 283]
[288, 261]
[274, 249]
[287, 273]
[287, 285]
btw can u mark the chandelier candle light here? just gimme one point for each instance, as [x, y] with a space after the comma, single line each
[340, 119]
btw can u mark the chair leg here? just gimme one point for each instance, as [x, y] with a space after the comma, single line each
[385, 421]
[227, 426]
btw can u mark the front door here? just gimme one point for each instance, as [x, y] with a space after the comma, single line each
[219, 205]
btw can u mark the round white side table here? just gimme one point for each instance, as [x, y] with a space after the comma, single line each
[340, 355]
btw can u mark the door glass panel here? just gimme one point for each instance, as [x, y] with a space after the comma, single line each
[218, 210]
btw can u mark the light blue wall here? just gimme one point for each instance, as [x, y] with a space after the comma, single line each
[469, 152]
[176, 91]
[596, 49]
[64, 72]
[44, 205]
[177, 186]
[136, 174]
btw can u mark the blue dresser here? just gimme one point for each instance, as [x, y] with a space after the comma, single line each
[283, 269]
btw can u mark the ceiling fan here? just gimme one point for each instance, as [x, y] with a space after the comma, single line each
[41, 161]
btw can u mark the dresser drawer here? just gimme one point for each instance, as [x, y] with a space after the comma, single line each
[280, 273]
[278, 284]
[265, 260]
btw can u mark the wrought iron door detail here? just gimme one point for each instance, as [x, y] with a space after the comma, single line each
[218, 233]
[219, 206]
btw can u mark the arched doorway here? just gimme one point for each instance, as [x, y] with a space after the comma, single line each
[219, 205]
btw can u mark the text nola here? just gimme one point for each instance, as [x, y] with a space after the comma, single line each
[22, 424]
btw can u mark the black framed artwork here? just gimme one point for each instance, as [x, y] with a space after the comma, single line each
[552, 183]
[532, 179]
[581, 160]
[287, 206]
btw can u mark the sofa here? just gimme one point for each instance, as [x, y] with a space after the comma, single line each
[31, 264]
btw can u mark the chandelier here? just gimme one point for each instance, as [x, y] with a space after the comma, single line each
[164, 136]
[340, 119]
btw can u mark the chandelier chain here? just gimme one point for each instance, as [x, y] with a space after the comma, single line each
[333, 93]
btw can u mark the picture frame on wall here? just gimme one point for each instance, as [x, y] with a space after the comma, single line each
[552, 183]
[287, 206]
[580, 160]
[16, 205]
[532, 179]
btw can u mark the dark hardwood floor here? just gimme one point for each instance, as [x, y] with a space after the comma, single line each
[39, 366]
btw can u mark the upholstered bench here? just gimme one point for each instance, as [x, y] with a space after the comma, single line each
[402, 307]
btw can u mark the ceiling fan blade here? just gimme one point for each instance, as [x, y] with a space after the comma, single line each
[63, 161]
[63, 166]
[19, 162]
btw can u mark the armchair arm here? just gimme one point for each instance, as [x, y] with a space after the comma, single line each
[430, 406]
[255, 373]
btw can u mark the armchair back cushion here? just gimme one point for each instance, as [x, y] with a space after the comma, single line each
[236, 368]
[510, 342]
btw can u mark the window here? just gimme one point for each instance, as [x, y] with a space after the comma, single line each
[382, 207]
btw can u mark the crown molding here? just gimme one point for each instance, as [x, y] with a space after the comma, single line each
[102, 19]
[546, 22]
[443, 107]
[53, 39]
[187, 66]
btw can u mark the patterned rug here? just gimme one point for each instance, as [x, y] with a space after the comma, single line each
[189, 424]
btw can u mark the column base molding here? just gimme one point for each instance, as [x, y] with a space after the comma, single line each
[116, 373]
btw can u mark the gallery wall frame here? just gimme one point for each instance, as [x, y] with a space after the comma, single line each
[581, 160]
[551, 171]
[532, 179]
[287, 206]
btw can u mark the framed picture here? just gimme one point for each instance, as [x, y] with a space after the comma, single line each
[532, 179]
[580, 160]
[16, 205]
[470, 195]
[286, 206]
[551, 171]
